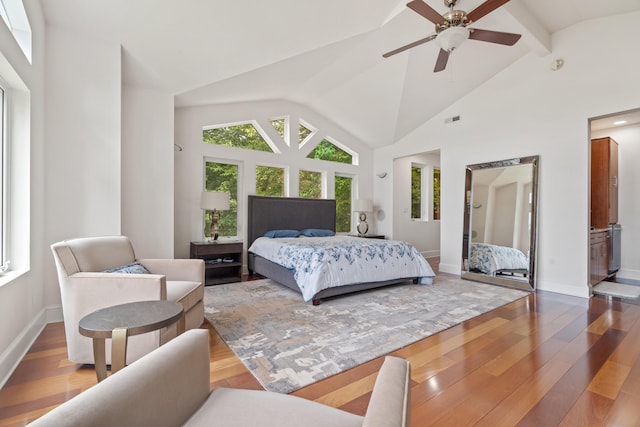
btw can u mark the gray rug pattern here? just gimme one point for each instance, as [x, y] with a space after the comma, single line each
[288, 344]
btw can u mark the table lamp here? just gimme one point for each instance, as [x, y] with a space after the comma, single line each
[214, 201]
[362, 206]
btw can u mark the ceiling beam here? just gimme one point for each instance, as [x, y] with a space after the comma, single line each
[534, 33]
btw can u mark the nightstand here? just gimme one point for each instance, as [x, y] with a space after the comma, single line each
[368, 236]
[222, 260]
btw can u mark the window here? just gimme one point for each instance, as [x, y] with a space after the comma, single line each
[310, 186]
[416, 192]
[425, 180]
[15, 16]
[244, 135]
[269, 181]
[436, 194]
[279, 125]
[343, 203]
[224, 177]
[3, 166]
[326, 150]
[305, 131]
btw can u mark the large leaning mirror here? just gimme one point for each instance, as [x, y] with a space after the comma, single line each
[500, 211]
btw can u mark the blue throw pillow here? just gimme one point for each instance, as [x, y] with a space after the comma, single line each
[133, 268]
[317, 232]
[282, 233]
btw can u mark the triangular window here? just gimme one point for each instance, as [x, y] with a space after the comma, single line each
[244, 135]
[305, 131]
[280, 125]
[326, 150]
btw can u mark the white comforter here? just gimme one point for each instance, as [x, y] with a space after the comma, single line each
[325, 262]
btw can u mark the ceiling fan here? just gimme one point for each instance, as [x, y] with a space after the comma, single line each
[452, 30]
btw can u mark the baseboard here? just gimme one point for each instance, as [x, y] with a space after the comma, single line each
[430, 254]
[561, 288]
[14, 353]
[449, 268]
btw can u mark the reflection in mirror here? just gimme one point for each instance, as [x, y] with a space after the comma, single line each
[500, 212]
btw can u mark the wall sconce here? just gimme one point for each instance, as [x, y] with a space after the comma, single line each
[362, 206]
[381, 174]
[213, 201]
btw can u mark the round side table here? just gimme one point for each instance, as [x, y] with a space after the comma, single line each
[121, 321]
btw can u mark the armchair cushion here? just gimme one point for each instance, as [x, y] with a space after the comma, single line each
[132, 268]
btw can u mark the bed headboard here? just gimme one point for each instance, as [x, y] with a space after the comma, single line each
[290, 213]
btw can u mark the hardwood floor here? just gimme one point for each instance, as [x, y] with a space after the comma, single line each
[544, 360]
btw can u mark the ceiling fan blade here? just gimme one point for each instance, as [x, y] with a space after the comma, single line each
[441, 62]
[484, 9]
[426, 11]
[409, 46]
[499, 37]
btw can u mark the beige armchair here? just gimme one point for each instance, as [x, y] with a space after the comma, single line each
[86, 287]
[170, 387]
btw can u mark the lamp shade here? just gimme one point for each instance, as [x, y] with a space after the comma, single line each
[210, 200]
[363, 205]
[451, 38]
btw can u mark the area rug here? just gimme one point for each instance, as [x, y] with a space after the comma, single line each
[288, 344]
[617, 290]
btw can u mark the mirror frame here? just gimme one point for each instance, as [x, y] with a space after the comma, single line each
[529, 284]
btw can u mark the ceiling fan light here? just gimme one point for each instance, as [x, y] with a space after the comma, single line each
[451, 38]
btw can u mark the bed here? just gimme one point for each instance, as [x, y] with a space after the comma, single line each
[497, 260]
[284, 213]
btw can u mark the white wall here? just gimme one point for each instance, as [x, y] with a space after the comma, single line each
[189, 164]
[527, 110]
[22, 297]
[424, 235]
[148, 171]
[82, 168]
[628, 139]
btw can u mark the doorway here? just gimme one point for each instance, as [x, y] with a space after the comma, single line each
[624, 129]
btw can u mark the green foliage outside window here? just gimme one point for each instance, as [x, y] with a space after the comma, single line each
[436, 194]
[343, 203]
[269, 181]
[310, 184]
[325, 150]
[416, 192]
[303, 133]
[223, 177]
[278, 125]
[239, 136]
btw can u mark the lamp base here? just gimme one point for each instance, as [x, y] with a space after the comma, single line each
[215, 217]
[362, 227]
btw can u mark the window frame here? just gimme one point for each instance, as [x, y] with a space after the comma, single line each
[352, 179]
[239, 192]
[427, 192]
[323, 181]
[272, 145]
[4, 172]
[285, 178]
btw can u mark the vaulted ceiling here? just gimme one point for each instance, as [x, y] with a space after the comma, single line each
[324, 54]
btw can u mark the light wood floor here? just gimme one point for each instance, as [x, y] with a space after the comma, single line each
[544, 360]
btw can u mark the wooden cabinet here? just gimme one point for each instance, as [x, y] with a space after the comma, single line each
[599, 256]
[223, 260]
[604, 182]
